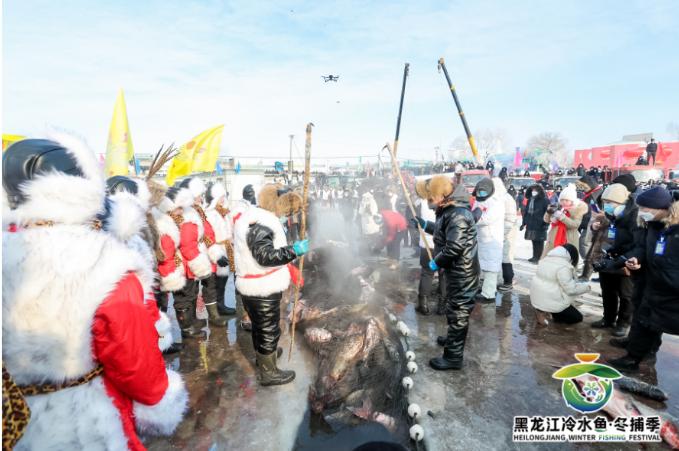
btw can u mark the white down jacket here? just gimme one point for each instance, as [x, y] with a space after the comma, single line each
[554, 286]
[491, 232]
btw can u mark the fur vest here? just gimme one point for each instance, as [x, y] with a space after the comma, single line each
[269, 280]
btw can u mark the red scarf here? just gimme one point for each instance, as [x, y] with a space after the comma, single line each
[561, 231]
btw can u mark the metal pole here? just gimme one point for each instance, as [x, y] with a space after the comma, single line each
[470, 138]
[400, 108]
[290, 167]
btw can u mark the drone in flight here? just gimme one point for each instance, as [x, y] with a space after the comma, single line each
[328, 78]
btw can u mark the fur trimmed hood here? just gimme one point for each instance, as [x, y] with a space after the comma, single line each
[215, 194]
[63, 198]
[268, 196]
[126, 217]
[184, 198]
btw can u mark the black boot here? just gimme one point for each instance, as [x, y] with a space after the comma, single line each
[441, 340]
[626, 363]
[601, 324]
[269, 373]
[213, 316]
[174, 348]
[224, 310]
[187, 323]
[620, 342]
[449, 361]
[423, 305]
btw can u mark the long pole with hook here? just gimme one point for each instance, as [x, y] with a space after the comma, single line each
[302, 233]
[406, 193]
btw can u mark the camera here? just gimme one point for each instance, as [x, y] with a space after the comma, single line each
[609, 263]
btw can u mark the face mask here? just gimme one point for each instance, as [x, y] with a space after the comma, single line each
[619, 210]
[531, 193]
[609, 209]
[432, 205]
[483, 193]
[646, 216]
[283, 219]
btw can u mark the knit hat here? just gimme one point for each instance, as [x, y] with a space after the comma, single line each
[569, 193]
[616, 193]
[485, 185]
[587, 182]
[627, 180]
[658, 198]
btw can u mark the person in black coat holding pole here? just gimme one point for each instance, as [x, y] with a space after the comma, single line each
[456, 252]
[533, 213]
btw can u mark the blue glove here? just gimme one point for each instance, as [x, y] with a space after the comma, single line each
[414, 222]
[433, 266]
[301, 247]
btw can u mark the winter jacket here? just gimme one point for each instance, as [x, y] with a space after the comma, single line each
[511, 218]
[572, 224]
[197, 264]
[618, 238]
[261, 252]
[660, 302]
[554, 288]
[221, 225]
[536, 227]
[455, 246]
[368, 211]
[215, 249]
[171, 268]
[393, 223]
[97, 313]
[491, 233]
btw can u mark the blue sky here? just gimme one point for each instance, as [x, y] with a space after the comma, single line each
[592, 70]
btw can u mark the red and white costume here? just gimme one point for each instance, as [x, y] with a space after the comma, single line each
[74, 298]
[197, 264]
[215, 250]
[221, 225]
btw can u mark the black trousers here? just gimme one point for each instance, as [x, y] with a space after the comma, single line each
[617, 292]
[221, 289]
[643, 339]
[569, 316]
[265, 314]
[210, 289]
[185, 299]
[651, 155]
[507, 273]
[538, 247]
[458, 309]
[426, 275]
[394, 247]
[161, 299]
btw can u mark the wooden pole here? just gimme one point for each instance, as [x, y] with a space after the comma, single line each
[406, 193]
[302, 233]
[470, 138]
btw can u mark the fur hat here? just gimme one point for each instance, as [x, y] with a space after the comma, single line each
[136, 187]
[214, 193]
[63, 182]
[439, 185]
[569, 193]
[157, 191]
[268, 196]
[288, 204]
[616, 193]
[167, 203]
[195, 185]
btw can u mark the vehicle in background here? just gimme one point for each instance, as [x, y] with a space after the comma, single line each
[564, 181]
[642, 174]
[470, 178]
[520, 182]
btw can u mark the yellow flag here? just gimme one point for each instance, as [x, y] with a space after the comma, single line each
[8, 140]
[196, 155]
[207, 150]
[119, 150]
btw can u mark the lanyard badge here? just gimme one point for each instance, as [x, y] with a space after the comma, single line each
[660, 246]
[611, 233]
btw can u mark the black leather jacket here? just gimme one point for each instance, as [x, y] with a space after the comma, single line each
[260, 243]
[456, 250]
